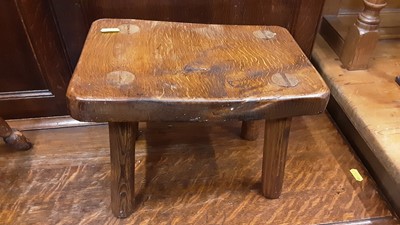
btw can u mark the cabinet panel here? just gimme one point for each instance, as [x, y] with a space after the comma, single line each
[34, 69]
[300, 17]
[19, 70]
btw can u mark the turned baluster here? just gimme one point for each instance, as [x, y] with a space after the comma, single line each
[362, 36]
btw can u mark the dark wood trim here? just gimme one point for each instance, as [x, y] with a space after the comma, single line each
[25, 94]
[70, 20]
[54, 122]
[42, 34]
[332, 35]
[302, 21]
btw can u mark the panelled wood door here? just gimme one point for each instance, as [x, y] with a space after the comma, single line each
[34, 73]
[42, 39]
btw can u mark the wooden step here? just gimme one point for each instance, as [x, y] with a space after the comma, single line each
[370, 99]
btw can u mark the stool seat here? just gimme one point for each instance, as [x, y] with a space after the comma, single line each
[135, 70]
[166, 71]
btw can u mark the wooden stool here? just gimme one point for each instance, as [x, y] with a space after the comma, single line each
[164, 71]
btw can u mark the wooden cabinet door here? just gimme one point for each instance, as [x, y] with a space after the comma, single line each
[300, 17]
[34, 73]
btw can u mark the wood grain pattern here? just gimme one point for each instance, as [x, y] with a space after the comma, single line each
[122, 151]
[276, 140]
[210, 176]
[370, 99]
[46, 123]
[191, 72]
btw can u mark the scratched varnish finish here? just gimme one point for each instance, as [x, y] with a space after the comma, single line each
[167, 71]
[187, 173]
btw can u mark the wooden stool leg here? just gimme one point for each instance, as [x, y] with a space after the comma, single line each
[250, 129]
[122, 151]
[274, 157]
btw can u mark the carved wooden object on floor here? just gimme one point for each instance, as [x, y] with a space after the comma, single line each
[362, 37]
[13, 137]
[166, 71]
[274, 156]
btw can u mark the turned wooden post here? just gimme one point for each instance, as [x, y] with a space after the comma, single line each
[274, 156]
[250, 129]
[122, 151]
[362, 36]
[13, 137]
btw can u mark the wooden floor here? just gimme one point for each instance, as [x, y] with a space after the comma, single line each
[193, 173]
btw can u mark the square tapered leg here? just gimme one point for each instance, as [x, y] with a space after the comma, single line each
[274, 156]
[122, 151]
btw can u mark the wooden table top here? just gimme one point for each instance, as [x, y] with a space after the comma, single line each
[153, 70]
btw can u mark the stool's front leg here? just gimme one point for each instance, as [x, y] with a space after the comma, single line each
[122, 151]
[274, 157]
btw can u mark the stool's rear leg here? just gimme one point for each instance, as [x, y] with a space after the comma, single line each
[250, 129]
[274, 157]
[122, 151]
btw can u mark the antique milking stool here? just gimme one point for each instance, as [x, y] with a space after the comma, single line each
[134, 71]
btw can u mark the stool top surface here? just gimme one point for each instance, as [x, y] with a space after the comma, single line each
[163, 68]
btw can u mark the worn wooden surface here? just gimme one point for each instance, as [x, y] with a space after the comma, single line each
[46, 123]
[370, 99]
[210, 176]
[192, 72]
